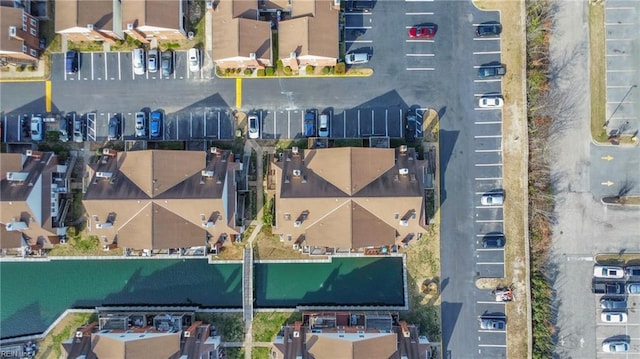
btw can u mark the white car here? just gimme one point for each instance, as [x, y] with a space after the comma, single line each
[356, 58]
[194, 59]
[491, 102]
[152, 60]
[614, 317]
[615, 346]
[492, 199]
[36, 128]
[254, 127]
[323, 128]
[608, 272]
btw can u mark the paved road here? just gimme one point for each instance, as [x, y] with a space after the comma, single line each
[439, 74]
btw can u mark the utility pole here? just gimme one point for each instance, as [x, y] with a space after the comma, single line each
[619, 104]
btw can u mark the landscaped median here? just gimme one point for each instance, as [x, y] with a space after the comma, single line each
[281, 71]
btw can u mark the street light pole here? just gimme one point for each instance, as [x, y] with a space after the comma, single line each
[619, 104]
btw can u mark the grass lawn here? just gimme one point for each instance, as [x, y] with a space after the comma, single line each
[597, 72]
[267, 324]
[229, 325]
[260, 353]
[515, 173]
[619, 259]
[51, 345]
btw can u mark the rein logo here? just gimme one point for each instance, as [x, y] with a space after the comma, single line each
[11, 352]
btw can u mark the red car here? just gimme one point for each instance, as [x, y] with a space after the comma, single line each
[425, 32]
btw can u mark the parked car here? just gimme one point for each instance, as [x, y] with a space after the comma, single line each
[492, 199]
[488, 30]
[490, 102]
[491, 70]
[25, 123]
[633, 288]
[36, 128]
[167, 63]
[138, 61]
[78, 130]
[360, 5]
[493, 242]
[633, 271]
[600, 287]
[615, 346]
[600, 271]
[63, 128]
[141, 121]
[492, 323]
[155, 124]
[254, 126]
[310, 124]
[194, 59]
[422, 32]
[72, 62]
[152, 61]
[355, 58]
[114, 128]
[613, 303]
[614, 317]
[410, 125]
[323, 126]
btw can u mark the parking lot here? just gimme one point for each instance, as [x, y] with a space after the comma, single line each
[117, 66]
[491, 343]
[420, 53]
[622, 31]
[629, 331]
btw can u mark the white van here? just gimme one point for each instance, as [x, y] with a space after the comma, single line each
[36, 128]
[138, 61]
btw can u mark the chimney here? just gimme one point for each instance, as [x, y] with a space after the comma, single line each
[295, 150]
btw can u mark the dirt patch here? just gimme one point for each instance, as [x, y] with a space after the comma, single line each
[514, 137]
[268, 246]
[50, 346]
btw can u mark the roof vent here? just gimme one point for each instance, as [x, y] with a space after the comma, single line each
[297, 173]
[296, 334]
[214, 150]
[293, 55]
[187, 334]
[295, 150]
[129, 26]
[209, 224]
[79, 334]
[404, 223]
[12, 31]
[90, 26]
[404, 171]
[403, 149]
[297, 224]
[252, 56]
[207, 174]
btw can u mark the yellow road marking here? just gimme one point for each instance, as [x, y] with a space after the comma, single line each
[608, 183]
[47, 89]
[238, 93]
[607, 158]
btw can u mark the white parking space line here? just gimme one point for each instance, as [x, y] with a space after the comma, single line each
[92, 66]
[488, 234]
[420, 69]
[418, 0]
[358, 123]
[617, 102]
[360, 41]
[106, 70]
[489, 221]
[486, 151]
[485, 38]
[493, 345]
[488, 207]
[357, 14]
[619, 23]
[357, 27]
[620, 8]
[487, 136]
[618, 86]
[488, 164]
[622, 70]
[490, 263]
[487, 122]
[419, 40]
[489, 249]
[420, 55]
[486, 52]
[488, 302]
[288, 124]
[624, 39]
[490, 331]
[344, 124]
[488, 178]
[487, 108]
[386, 122]
[119, 68]
[418, 13]
[490, 80]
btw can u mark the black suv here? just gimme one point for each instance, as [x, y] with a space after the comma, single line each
[410, 126]
[114, 128]
[488, 30]
[493, 242]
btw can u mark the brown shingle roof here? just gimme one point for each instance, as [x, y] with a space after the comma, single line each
[313, 35]
[352, 346]
[80, 13]
[173, 211]
[349, 197]
[158, 13]
[10, 17]
[135, 345]
[235, 36]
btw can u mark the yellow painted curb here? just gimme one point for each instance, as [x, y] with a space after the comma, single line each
[238, 92]
[366, 73]
[47, 91]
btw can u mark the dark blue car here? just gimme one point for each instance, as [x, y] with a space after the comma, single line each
[155, 125]
[72, 61]
[310, 124]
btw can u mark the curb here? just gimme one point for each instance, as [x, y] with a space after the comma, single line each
[346, 75]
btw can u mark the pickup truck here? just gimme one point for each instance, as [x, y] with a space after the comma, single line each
[491, 71]
[607, 287]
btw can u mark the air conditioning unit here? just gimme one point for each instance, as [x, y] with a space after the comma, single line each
[252, 56]
[208, 224]
[404, 223]
[187, 334]
[90, 26]
[295, 150]
[79, 334]
[29, 153]
[296, 334]
[293, 55]
[336, 2]
[12, 31]
[403, 149]
[129, 27]
[295, 246]
[404, 171]
[297, 173]
[207, 174]
[63, 241]
[214, 150]
[297, 224]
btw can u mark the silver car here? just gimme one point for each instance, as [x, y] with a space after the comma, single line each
[492, 323]
[141, 120]
[152, 64]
